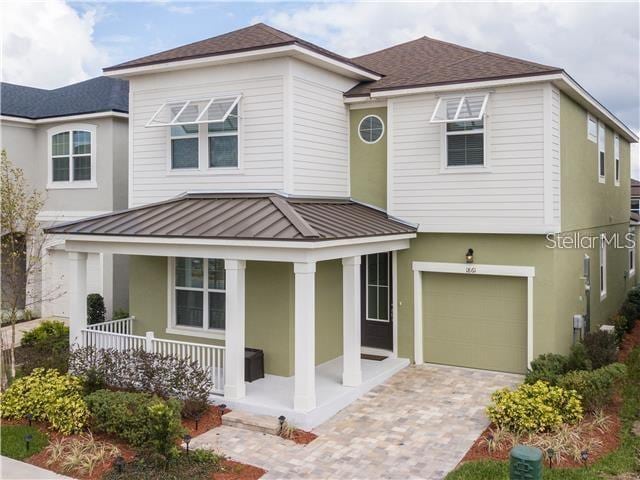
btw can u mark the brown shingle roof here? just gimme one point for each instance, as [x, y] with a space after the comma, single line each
[243, 216]
[427, 61]
[254, 37]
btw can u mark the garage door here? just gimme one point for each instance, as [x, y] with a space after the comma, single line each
[475, 321]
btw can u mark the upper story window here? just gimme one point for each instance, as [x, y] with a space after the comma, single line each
[603, 266]
[371, 129]
[203, 133]
[616, 159]
[635, 205]
[601, 154]
[72, 156]
[592, 128]
[464, 132]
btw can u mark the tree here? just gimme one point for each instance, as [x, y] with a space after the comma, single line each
[21, 245]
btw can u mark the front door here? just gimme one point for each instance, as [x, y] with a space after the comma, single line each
[377, 311]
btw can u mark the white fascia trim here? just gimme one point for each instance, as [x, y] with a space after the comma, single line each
[245, 56]
[475, 268]
[63, 118]
[562, 79]
[68, 215]
[488, 228]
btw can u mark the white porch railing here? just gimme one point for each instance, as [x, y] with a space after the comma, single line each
[122, 325]
[208, 357]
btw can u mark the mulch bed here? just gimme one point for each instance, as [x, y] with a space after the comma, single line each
[212, 418]
[610, 441]
[302, 437]
[238, 471]
[629, 342]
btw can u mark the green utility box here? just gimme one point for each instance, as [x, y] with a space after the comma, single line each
[525, 463]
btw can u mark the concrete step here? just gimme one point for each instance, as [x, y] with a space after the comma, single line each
[250, 421]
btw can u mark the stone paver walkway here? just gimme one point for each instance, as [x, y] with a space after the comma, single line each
[417, 425]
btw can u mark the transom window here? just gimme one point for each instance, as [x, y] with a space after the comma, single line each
[378, 284]
[371, 129]
[71, 156]
[200, 293]
[464, 134]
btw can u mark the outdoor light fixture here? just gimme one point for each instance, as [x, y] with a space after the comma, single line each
[29, 417]
[27, 440]
[222, 407]
[584, 455]
[469, 255]
[119, 464]
[550, 453]
[281, 419]
[197, 418]
[187, 439]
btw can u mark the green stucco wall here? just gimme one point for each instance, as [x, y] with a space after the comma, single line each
[368, 162]
[269, 309]
[585, 202]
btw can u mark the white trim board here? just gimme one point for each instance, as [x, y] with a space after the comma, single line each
[467, 269]
[67, 118]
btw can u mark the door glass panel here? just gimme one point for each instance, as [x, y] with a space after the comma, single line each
[378, 282]
[372, 302]
[383, 303]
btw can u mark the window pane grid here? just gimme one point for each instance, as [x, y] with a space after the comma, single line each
[200, 298]
[71, 156]
[378, 287]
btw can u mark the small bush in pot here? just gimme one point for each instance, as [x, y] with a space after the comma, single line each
[96, 310]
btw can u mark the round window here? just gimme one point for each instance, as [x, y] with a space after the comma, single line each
[371, 129]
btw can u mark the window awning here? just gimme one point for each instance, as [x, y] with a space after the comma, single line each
[192, 112]
[460, 108]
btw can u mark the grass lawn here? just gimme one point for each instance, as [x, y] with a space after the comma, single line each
[13, 445]
[623, 460]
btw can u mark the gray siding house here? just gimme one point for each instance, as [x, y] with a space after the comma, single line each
[72, 144]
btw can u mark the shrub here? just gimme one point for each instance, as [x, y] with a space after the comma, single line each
[534, 408]
[621, 325]
[46, 346]
[80, 455]
[578, 358]
[137, 370]
[141, 419]
[631, 307]
[600, 348]
[120, 313]
[48, 396]
[547, 367]
[595, 387]
[95, 308]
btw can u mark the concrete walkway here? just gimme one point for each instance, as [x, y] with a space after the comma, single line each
[23, 327]
[417, 425]
[11, 469]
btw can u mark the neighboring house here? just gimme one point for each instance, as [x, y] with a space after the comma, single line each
[72, 144]
[401, 204]
[635, 196]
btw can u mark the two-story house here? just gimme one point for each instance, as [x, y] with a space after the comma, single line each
[413, 204]
[72, 145]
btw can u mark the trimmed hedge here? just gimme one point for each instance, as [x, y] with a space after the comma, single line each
[141, 419]
[595, 387]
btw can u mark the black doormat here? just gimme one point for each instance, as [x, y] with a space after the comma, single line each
[367, 356]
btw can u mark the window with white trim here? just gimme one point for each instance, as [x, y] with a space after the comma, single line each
[199, 300]
[603, 266]
[71, 156]
[601, 154]
[370, 129]
[592, 128]
[616, 159]
[632, 251]
[635, 205]
[203, 133]
[463, 116]
[378, 284]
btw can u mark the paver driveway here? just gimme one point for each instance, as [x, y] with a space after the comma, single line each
[418, 424]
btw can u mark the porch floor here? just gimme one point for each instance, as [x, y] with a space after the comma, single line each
[273, 395]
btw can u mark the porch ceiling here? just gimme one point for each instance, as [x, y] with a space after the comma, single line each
[270, 217]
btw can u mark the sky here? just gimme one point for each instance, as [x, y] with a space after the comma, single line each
[52, 43]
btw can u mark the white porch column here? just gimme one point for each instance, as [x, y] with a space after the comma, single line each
[77, 296]
[351, 371]
[234, 387]
[304, 397]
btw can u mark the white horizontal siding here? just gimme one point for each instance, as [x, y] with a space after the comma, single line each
[320, 132]
[508, 197]
[261, 126]
[555, 153]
